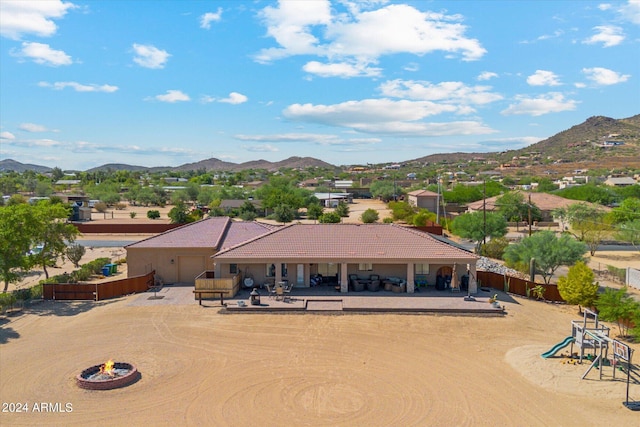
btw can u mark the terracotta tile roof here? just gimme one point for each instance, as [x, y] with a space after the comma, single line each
[371, 242]
[214, 232]
[423, 193]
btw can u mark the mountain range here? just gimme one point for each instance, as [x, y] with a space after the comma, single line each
[581, 144]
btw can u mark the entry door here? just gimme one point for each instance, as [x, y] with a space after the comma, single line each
[300, 274]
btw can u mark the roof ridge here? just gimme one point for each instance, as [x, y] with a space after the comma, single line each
[270, 232]
[189, 224]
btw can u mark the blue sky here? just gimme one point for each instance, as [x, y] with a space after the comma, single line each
[164, 83]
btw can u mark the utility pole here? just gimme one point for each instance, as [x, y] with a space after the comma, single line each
[529, 214]
[438, 202]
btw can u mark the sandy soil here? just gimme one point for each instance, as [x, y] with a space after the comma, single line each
[202, 367]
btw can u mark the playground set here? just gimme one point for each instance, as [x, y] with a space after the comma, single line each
[589, 334]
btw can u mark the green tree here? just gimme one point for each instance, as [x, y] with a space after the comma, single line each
[53, 233]
[549, 252]
[463, 194]
[619, 307]
[629, 210]
[577, 287]
[402, 211]
[495, 248]
[589, 223]
[589, 193]
[314, 211]
[16, 224]
[383, 190]
[474, 226]
[179, 214]
[629, 232]
[74, 253]
[514, 207]
[342, 209]
[284, 213]
[369, 216]
[281, 191]
[422, 217]
[153, 214]
[329, 218]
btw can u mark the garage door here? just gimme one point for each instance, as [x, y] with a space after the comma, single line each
[189, 267]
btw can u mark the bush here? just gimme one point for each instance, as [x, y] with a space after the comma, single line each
[153, 214]
[7, 300]
[96, 265]
[120, 206]
[495, 248]
[618, 306]
[387, 220]
[100, 207]
[74, 253]
[369, 216]
[329, 218]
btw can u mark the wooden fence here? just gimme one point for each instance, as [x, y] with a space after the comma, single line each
[97, 291]
[516, 286]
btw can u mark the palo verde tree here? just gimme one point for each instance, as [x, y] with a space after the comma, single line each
[52, 233]
[477, 226]
[16, 238]
[619, 307]
[514, 207]
[589, 223]
[548, 251]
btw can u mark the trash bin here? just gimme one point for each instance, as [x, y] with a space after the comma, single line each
[106, 271]
[113, 268]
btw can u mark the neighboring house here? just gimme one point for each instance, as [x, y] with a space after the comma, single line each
[544, 201]
[423, 199]
[624, 181]
[228, 205]
[181, 254]
[298, 251]
[331, 200]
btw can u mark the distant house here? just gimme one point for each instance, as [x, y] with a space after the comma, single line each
[423, 199]
[543, 201]
[624, 181]
[331, 200]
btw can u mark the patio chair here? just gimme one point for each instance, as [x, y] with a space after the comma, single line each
[279, 293]
[271, 290]
[287, 291]
[358, 286]
[373, 286]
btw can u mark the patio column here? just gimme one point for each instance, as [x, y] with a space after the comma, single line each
[411, 287]
[278, 272]
[344, 278]
[473, 283]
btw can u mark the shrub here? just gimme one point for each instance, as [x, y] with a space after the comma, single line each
[120, 206]
[618, 306]
[153, 214]
[74, 253]
[329, 218]
[369, 216]
[7, 300]
[387, 220]
[577, 286]
[132, 214]
[494, 248]
[100, 207]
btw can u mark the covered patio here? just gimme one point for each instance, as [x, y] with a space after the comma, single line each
[340, 256]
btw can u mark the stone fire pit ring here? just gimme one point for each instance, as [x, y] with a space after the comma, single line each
[91, 379]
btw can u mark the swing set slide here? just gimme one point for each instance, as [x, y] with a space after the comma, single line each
[556, 348]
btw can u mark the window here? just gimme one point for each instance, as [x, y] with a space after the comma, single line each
[233, 268]
[284, 270]
[365, 267]
[422, 269]
[271, 270]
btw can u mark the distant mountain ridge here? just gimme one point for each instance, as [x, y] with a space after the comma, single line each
[576, 144]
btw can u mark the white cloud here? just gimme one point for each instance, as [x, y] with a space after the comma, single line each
[20, 17]
[385, 116]
[235, 98]
[631, 11]
[149, 56]
[604, 76]
[543, 78]
[263, 148]
[172, 96]
[604, 6]
[32, 127]
[7, 136]
[456, 94]
[608, 35]
[357, 37]
[41, 53]
[340, 69]
[552, 102]
[315, 138]
[486, 75]
[79, 87]
[209, 17]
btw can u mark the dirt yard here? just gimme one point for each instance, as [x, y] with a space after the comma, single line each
[202, 367]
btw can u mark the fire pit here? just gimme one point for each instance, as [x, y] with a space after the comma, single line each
[108, 376]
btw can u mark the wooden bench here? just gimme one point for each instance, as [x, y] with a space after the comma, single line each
[199, 293]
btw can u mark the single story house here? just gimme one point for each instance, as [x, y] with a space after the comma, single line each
[181, 254]
[423, 199]
[298, 252]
